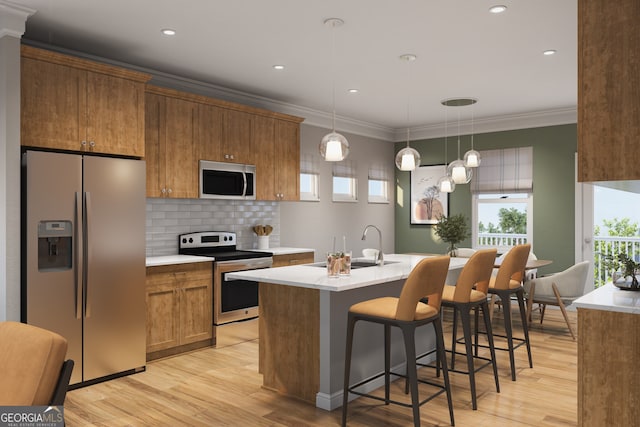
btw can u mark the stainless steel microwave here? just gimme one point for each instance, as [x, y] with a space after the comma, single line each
[220, 180]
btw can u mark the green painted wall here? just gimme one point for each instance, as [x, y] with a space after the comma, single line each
[554, 149]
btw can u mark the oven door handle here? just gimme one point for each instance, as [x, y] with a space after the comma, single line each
[245, 264]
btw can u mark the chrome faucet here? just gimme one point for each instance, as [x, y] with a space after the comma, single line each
[380, 260]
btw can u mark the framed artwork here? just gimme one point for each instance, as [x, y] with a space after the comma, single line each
[427, 202]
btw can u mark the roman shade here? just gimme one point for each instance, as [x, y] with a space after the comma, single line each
[309, 164]
[378, 172]
[509, 170]
[345, 169]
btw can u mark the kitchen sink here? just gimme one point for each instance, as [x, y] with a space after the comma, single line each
[355, 264]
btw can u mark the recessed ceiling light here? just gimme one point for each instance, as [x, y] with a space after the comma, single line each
[353, 91]
[549, 52]
[278, 67]
[168, 32]
[497, 8]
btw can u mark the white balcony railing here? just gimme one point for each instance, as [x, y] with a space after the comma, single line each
[501, 241]
[612, 245]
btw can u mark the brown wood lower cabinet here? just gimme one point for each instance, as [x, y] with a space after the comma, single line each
[179, 316]
[292, 259]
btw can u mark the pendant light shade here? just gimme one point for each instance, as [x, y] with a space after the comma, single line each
[334, 147]
[408, 159]
[472, 157]
[459, 173]
[446, 184]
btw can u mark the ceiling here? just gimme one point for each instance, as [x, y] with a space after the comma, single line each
[462, 51]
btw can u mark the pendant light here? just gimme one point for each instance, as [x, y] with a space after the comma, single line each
[472, 157]
[445, 183]
[408, 158]
[456, 169]
[334, 147]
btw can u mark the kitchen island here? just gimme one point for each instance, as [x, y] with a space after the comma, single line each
[303, 321]
[608, 349]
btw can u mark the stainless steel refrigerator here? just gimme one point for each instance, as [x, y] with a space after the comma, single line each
[83, 258]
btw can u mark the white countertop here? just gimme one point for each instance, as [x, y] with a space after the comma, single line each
[610, 298]
[284, 251]
[314, 277]
[154, 261]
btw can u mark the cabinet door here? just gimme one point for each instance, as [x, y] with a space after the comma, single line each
[180, 163]
[263, 133]
[115, 115]
[196, 323]
[53, 105]
[236, 137]
[162, 315]
[287, 160]
[154, 123]
[209, 136]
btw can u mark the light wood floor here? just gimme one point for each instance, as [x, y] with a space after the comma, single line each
[222, 387]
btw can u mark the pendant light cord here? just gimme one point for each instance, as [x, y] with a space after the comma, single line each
[333, 74]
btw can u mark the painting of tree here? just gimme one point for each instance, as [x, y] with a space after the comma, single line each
[427, 202]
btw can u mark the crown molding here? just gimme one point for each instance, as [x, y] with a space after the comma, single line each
[559, 116]
[343, 124]
[13, 18]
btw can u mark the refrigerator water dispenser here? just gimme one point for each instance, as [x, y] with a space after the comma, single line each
[55, 249]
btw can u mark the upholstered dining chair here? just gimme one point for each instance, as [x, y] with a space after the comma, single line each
[506, 283]
[32, 366]
[559, 289]
[407, 313]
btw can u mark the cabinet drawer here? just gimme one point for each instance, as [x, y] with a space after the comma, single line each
[292, 259]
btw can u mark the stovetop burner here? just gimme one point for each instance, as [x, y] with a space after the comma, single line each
[218, 244]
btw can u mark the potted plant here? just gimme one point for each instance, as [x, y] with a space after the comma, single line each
[452, 229]
[624, 269]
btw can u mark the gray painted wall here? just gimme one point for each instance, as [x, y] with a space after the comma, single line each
[554, 148]
[314, 224]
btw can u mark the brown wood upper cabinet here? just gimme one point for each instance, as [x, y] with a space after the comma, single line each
[608, 90]
[74, 104]
[172, 159]
[277, 158]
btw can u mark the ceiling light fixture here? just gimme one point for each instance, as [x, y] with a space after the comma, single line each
[334, 147]
[168, 32]
[460, 173]
[445, 183]
[278, 67]
[408, 158]
[549, 52]
[499, 8]
[472, 157]
[353, 91]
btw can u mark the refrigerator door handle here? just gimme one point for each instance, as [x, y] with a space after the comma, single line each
[88, 252]
[79, 267]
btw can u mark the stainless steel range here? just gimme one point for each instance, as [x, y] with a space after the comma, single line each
[234, 299]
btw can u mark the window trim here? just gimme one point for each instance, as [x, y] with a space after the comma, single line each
[313, 196]
[378, 199]
[475, 197]
[352, 197]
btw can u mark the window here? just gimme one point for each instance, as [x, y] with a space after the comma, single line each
[345, 185]
[378, 184]
[502, 188]
[502, 220]
[309, 173]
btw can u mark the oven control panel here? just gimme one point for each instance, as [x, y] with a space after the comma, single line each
[207, 239]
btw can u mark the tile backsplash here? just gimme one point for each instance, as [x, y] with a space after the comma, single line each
[167, 218]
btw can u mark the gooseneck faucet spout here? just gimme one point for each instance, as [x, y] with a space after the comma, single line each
[380, 260]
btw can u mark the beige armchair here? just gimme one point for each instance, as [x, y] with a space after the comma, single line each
[559, 289]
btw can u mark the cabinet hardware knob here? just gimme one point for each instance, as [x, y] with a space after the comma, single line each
[92, 143]
[169, 191]
[84, 143]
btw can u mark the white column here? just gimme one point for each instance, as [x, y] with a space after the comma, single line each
[12, 25]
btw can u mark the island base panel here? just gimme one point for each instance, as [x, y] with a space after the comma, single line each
[289, 340]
